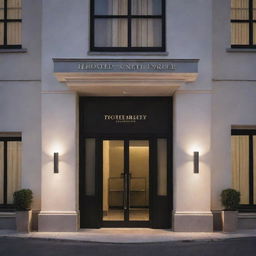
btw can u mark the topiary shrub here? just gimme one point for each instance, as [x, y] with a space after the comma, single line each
[23, 199]
[230, 199]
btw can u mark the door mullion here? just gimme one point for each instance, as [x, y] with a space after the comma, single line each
[99, 177]
[126, 176]
[152, 175]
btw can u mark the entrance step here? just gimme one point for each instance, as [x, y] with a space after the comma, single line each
[7, 220]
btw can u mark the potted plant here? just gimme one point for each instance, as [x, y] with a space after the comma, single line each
[22, 201]
[230, 199]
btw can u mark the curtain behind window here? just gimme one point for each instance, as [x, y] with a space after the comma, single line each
[254, 167]
[254, 24]
[13, 168]
[240, 166]
[1, 23]
[240, 30]
[14, 28]
[113, 32]
[1, 172]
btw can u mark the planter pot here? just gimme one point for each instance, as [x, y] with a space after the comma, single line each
[23, 221]
[229, 221]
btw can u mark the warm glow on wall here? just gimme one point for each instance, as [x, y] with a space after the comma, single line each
[54, 153]
[56, 147]
[191, 148]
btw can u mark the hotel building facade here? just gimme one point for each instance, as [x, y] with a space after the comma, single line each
[128, 113]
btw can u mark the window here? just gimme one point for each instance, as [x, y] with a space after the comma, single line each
[127, 25]
[243, 23]
[10, 169]
[10, 24]
[244, 166]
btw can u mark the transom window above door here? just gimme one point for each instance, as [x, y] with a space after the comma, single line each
[127, 25]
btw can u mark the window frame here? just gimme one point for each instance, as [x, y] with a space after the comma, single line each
[248, 132]
[129, 17]
[250, 22]
[5, 21]
[6, 206]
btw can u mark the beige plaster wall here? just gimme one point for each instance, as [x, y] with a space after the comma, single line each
[192, 132]
[233, 104]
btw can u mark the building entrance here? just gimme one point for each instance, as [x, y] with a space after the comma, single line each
[126, 181]
[125, 166]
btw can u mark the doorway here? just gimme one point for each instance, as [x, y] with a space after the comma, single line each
[125, 162]
[126, 182]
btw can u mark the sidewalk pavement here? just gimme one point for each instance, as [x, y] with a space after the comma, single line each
[125, 235]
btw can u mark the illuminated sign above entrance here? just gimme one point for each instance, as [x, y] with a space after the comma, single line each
[125, 115]
[125, 118]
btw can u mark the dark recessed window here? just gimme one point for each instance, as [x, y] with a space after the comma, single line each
[243, 23]
[127, 25]
[10, 24]
[10, 169]
[244, 166]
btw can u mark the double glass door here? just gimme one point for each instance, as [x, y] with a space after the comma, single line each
[126, 181]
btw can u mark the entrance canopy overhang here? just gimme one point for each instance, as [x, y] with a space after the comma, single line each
[129, 77]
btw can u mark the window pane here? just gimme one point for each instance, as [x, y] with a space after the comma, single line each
[139, 180]
[254, 33]
[14, 33]
[254, 168]
[113, 180]
[146, 33]
[239, 9]
[161, 167]
[1, 33]
[146, 7]
[1, 9]
[90, 167]
[254, 9]
[111, 33]
[240, 166]
[13, 168]
[111, 7]
[1, 172]
[240, 33]
[14, 9]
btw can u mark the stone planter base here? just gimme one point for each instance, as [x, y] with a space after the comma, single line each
[229, 221]
[23, 221]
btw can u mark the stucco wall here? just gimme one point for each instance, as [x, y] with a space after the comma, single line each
[20, 99]
[234, 93]
[192, 132]
[228, 65]
[20, 111]
[233, 104]
[25, 66]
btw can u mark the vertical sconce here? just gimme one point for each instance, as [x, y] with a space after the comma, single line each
[196, 162]
[56, 162]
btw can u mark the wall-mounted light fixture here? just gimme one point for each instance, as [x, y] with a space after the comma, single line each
[196, 162]
[56, 162]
